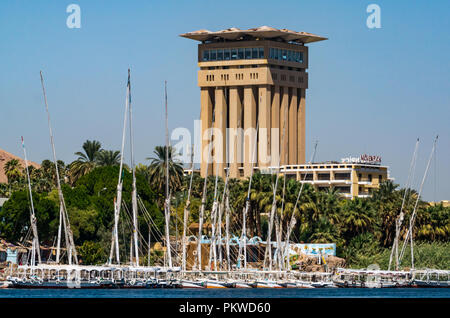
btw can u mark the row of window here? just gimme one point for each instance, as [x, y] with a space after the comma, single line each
[369, 177]
[251, 53]
[240, 76]
[286, 55]
[284, 78]
[337, 176]
[226, 77]
[233, 54]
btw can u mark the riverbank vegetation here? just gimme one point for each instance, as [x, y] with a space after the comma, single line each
[363, 228]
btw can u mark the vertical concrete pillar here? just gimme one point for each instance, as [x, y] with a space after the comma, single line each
[284, 126]
[293, 145]
[354, 189]
[264, 119]
[275, 131]
[249, 128]
[235, 132]
[220, 124]
[301, 126]
[206, 119]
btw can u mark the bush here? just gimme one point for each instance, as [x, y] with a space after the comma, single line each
[92, 253]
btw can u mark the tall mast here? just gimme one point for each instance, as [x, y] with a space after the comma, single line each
[293, 220]
[63, 217]
[225, 204]
[35, 244]
[167, 203]
[202, 208]
[212, 246]
[221, 208]
[409, 234]
[279, 223]
[186, 212]
[227, 228]
[118, 199]
[273, 211]
[133, 192]
[399, 221]
[247, 203]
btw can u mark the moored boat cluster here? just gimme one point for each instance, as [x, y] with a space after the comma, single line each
[97, 277]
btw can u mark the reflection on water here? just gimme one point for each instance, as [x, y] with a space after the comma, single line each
[228, 293]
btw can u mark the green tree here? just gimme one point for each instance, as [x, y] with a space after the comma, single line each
[108, 158]
[359, 217]
[15, 217]
[13, 170]
[320, 214]
[433, 223]
[92, 253]
[86, 161]
[45, 177]
[157, 170]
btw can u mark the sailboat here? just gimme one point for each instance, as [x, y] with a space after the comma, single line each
[35, 248]
[71, 269]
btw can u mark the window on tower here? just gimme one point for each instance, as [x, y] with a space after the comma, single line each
[226, 54]
[255, 53]
[261, 52]
[285, 55]
[248, 53]
[213, 55]
[234, 54]
[205, 55]
[240, 54]
[220, 55]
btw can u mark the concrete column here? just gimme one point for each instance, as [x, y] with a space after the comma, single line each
[275, 114]
[235, 136]
[249, 128]
[301, 126]
[220, 124]
[206, 119]
[354, 189]
[293, 145]
[264, 93]
[284, 126]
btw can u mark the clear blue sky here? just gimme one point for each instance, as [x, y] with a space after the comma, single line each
[370, 91]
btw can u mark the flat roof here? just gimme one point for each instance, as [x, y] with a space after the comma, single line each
[263, 32]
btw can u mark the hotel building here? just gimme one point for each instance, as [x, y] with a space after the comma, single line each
[252, 92]
[252, 80]
[350, 179]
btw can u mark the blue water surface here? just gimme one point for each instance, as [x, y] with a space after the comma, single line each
[229, 293]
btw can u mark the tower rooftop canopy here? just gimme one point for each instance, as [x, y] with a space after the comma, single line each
[264, 32]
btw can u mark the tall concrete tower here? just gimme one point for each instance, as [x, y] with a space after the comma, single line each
[252, 91]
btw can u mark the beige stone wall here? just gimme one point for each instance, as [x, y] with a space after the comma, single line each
[248, 94]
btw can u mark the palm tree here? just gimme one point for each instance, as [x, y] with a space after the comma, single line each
[388, 202]
[359, 217]
[13, 170]
[316, 207]
[325, 232]
[108, 158]
[86, 161]
[433, 223]
[91, 150]
[157, 170]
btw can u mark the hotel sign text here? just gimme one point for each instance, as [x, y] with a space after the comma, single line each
[371, 159]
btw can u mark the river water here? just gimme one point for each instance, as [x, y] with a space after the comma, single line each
[229, 293]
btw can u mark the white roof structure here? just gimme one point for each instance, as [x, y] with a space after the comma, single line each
[263, 32]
